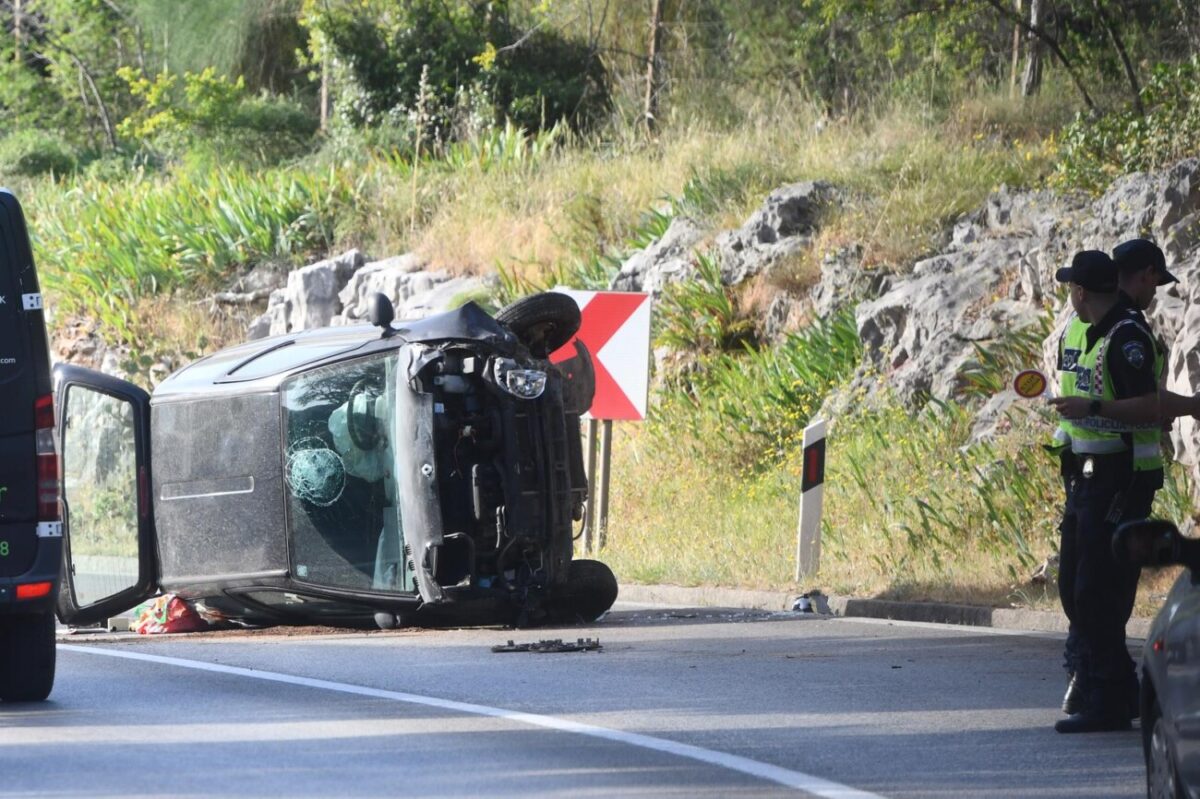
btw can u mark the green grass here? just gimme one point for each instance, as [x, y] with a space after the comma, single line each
[102, 246]
[537, 207]
[706, 490]
[909, 511]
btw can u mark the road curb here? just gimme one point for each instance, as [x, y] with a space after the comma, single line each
[932, 612]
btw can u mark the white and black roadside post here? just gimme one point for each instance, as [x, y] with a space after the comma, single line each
[812, 494]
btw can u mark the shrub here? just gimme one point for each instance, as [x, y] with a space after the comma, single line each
[751, 406]
[105, 246]
[213, 116]
[427, 60]
[1096, 151]
[28, 153]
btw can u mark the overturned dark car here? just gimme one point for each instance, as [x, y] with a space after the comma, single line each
[389, 474]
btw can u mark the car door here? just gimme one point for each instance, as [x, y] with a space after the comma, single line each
[1180, 696]
[110, 554]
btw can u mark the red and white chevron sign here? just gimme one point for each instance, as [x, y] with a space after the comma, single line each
[616, 331]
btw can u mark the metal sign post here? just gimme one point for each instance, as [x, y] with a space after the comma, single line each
[615, 328]
[605, 474]
[589, 517]
[812, 494]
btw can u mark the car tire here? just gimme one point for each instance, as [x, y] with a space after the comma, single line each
[1162, 778]
[27, 657]
[591, 589]
[543, 322]
[389, 621]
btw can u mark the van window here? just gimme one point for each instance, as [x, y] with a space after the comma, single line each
[344, 522]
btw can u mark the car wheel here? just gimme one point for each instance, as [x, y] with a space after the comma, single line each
[591, 589]
[543, 322]
[1162, 780]
[27, 657]
[389, 621]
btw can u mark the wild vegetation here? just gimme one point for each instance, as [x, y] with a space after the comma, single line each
[164, 149]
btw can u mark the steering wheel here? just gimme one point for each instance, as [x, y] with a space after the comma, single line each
[363, 439]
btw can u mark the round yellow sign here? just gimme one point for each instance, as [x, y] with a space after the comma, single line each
[1030, 383]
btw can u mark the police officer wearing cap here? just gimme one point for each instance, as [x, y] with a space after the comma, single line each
[1141, 270]
[1118, 467]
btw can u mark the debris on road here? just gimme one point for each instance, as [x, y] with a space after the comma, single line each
[552, 645]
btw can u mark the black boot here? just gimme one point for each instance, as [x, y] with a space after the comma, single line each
[1073, 699]
[1105, 709]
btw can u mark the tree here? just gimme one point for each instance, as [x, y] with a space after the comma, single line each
[60, 72]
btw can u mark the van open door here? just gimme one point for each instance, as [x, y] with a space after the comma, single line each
[110, 561]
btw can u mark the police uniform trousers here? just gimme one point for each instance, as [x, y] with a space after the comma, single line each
[1097, 592]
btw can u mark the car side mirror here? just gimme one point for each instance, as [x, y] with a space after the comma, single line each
[1154, 542]
[380, 312]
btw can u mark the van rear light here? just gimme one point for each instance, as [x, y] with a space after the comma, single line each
[47, 459]
[33, 590]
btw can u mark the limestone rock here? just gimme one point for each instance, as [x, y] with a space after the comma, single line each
[922, 332]
[310, 298]
[844, 281]
[667, 260]
[779, 229]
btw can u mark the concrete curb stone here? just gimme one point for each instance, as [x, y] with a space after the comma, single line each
[933, 612]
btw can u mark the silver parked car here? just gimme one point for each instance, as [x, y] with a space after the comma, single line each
[1170, 698]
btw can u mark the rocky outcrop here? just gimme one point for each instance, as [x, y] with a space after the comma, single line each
[998, 275]
[335, 292]
[780, 229]
[921, 332]
[414, 292]
[310, 298]
[667, 260]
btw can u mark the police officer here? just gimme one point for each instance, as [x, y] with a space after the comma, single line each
[1117, 468]
[1141, 269]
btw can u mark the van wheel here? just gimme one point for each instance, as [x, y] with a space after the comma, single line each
[27, 657]
[543, 322]
[591, 590]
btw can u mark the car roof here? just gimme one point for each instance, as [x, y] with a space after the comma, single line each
[261, 365]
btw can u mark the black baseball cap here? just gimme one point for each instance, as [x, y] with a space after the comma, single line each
[1137, 254]
[1092, 269]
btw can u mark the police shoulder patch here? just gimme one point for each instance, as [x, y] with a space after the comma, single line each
[1135, 353]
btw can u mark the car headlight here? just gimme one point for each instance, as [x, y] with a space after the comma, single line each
[523, 383]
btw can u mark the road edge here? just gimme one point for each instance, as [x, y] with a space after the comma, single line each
[931, 612]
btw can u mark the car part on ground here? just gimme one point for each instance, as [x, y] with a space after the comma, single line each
[551, 645]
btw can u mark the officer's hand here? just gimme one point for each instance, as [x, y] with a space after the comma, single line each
[1070, 407]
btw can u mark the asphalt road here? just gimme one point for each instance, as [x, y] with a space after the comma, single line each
[695, 703]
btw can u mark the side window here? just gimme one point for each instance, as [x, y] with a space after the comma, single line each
[343, 510]
[100, 489]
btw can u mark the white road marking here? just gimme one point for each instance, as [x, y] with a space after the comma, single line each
[744, 765]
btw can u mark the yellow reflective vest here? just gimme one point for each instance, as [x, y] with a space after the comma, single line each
[1097, 435]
